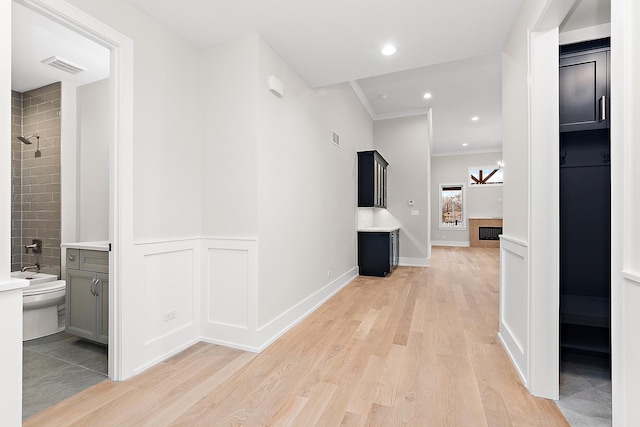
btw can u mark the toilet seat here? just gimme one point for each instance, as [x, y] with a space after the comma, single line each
[44, 288]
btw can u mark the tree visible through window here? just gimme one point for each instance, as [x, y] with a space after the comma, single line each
[452, 206]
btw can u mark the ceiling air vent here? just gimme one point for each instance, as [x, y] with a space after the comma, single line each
[63, 64]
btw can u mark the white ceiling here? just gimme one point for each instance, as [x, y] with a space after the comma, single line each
[448, 48]
[34, 38]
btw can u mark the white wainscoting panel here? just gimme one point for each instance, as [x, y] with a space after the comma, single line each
[514, 302]
[230, 292]
[166, 292]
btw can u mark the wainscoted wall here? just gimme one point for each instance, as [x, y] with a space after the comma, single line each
[229, 300]
[211, 285]
[514, 302]
[230, 290]
[167, 280]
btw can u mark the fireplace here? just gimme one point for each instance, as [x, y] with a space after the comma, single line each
[489, 233]
[485, 232]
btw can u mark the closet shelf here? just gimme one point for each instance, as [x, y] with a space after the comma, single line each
[585, 310]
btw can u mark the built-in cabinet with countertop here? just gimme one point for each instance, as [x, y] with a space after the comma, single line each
[87, 305]
[372, 180]
[585, 198]
[378, 251]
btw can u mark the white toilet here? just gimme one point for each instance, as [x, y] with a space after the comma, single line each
[40, 302]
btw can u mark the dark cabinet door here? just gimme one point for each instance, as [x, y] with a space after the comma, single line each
[372, 180]
[584, 92]
[378, 252]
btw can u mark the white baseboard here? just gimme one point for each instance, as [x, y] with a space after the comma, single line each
[455, 243]
[414, 262]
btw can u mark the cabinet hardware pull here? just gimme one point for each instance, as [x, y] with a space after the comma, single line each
[603, 108]
[96, 287]
[93, 283]
[72, 258]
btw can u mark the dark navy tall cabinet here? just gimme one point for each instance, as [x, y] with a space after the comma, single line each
[585, 198]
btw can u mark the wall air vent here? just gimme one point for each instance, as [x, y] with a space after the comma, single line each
[336, 139]
[63, 64]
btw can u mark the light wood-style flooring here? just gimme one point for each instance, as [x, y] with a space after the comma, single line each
[418, 348]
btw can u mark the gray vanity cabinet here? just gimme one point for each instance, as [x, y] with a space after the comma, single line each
[87, 306]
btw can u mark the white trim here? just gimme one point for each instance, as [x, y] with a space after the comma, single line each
[121, 166]
[583, 34]
[544, 212]
[414, 262]
[465, 152]
[363, 99]
[453, 243]
[632, 277]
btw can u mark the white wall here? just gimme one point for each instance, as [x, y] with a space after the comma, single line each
[625, 231]
[93, 132]
[229, 155]
[279, 198]
[10, 300]
[307, 185]
[405, 144]
[481, 202]
[5, 135]
[167, 130]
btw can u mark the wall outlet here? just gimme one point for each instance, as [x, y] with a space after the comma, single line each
[415, 212]
[410, 202]
[170, 315]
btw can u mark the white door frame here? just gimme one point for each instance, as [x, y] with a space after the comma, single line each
[120, 167]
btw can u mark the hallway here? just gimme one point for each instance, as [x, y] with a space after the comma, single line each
[417, 348]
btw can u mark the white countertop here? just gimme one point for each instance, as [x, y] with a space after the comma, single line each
[94, 246]
[378, 229]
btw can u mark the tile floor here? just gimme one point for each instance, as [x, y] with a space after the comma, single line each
[585, 390]
[57, 367]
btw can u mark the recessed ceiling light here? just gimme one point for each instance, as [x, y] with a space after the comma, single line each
[388, 50]
[464, 144]
[426, 95]
[475, 118]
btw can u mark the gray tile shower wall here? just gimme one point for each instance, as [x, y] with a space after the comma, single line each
[40, 177]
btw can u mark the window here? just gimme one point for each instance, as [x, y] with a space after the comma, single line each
[485, 176]
[452, 206]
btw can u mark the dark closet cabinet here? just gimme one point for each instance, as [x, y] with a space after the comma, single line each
[378, 252]
[372, 180]
[584, 88]
[585, 200]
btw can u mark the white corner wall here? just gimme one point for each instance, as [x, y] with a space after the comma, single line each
[306, 191]
[279, 198]
[482, 202]
[405, 144]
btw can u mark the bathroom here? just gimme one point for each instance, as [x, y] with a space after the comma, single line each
[59, 195]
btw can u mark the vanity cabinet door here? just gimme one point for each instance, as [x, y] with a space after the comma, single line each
[102, 289]
[81, 304]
